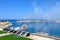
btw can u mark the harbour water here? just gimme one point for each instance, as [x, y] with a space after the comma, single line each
[37, 27]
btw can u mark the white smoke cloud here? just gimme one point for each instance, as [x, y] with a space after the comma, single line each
[52, 12]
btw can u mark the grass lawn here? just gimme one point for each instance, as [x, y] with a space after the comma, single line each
[1, 32]
[13, 37]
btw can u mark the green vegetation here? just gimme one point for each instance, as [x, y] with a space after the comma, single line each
[13, 37]
[1, 32]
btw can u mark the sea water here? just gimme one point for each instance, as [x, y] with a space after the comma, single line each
[37, 27]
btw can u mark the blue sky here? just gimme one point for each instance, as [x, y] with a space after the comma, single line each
[29, 9]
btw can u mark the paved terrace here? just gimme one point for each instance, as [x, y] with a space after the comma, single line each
[4, 25]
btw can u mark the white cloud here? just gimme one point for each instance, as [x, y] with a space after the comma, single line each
[47, 11]
[54, 13]
[36, 9]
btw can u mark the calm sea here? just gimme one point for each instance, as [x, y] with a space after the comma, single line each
[34, 27]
